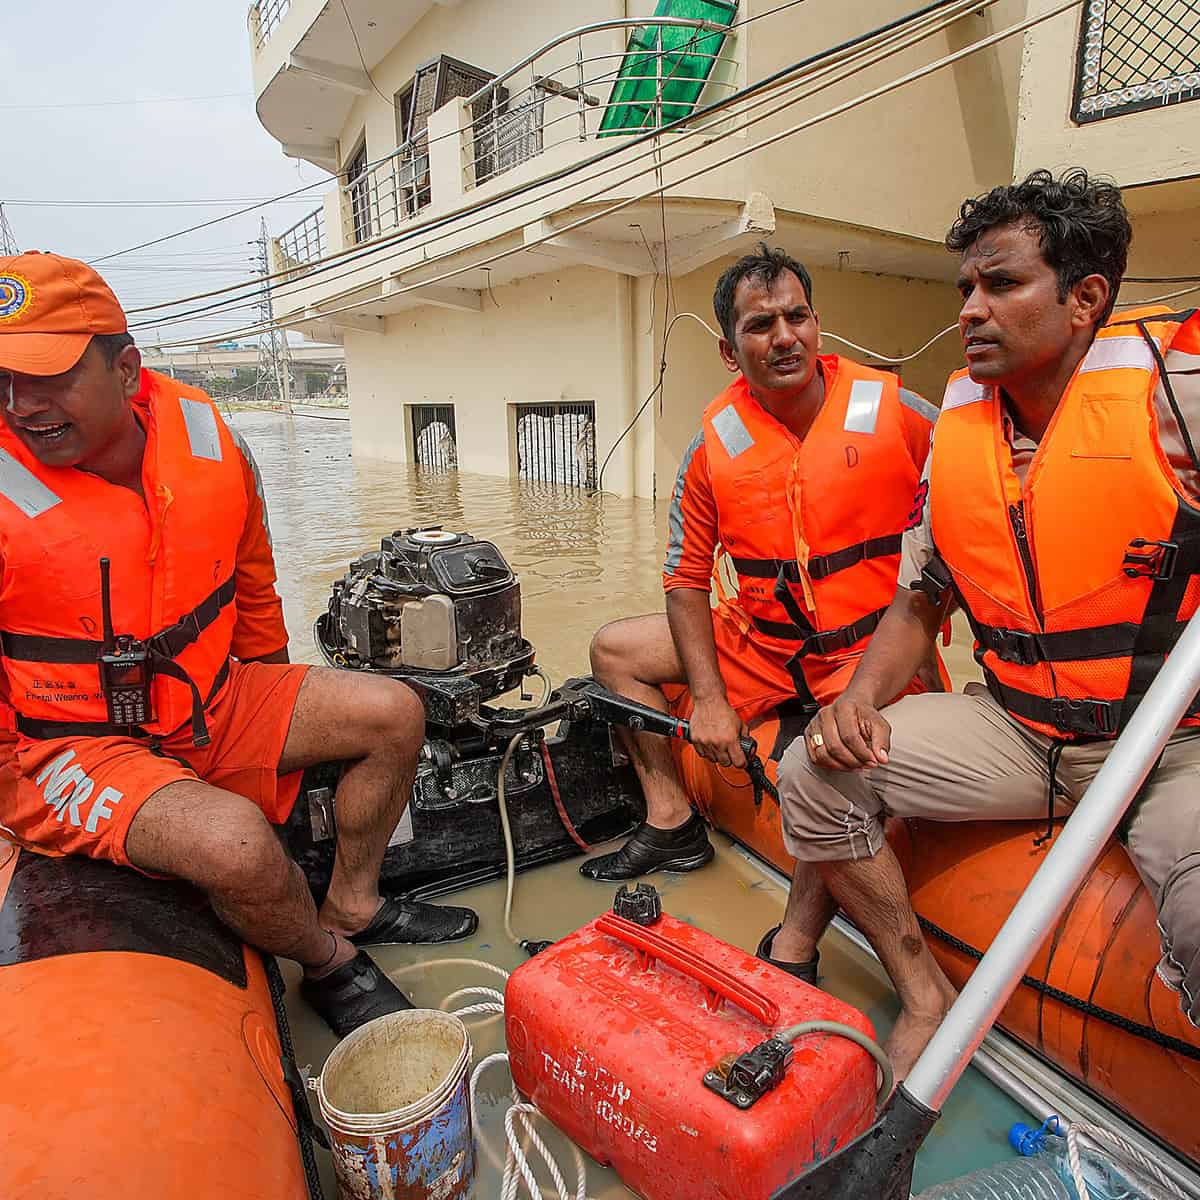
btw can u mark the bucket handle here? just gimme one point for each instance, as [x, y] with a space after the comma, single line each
[718, 985]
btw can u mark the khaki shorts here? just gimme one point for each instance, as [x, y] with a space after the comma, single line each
[961, 757]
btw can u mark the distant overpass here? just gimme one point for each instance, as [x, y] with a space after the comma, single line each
[229, 371]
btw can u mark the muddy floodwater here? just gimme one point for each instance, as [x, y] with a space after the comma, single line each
[582, 560]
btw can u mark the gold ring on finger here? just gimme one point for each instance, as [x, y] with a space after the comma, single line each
[817, 740]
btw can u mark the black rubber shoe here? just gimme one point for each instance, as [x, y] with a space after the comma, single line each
[357, 992]
[648, 850]
[806, 972]
[405, 921]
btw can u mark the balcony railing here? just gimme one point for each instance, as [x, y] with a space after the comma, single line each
[387, 193]
[579, 89]
[303, 244]
[1135, 55]
[265, 16]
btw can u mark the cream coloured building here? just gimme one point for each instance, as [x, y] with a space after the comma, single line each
[502, 269]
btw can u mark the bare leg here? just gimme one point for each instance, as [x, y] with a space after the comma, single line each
[810, 908]
[873, 894]
[378, 724]
[635, 657]
[223, 844]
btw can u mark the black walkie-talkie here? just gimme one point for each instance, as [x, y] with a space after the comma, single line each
[125, 672]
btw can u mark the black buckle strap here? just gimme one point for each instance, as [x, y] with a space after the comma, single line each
[1024, 648]
[828, 641]
[820, 566]
[1147, 559]
[1010, 645]
[32, 727]
[169, 642]
[1084, 717]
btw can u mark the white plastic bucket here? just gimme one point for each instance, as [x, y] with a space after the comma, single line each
[395, 1095]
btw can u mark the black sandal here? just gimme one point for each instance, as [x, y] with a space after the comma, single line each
[406, 921]
[648, 849]
[353, 994]
[806, 972]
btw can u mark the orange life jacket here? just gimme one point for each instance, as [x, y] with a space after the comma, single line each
[813, 528]
[172, 570]
[1077, 584]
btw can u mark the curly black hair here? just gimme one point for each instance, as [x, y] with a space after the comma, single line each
[765, 266]
[1081, 221]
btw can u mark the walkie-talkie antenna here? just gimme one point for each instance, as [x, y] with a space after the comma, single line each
[110, 638]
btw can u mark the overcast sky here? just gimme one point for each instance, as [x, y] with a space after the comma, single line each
[89, 60]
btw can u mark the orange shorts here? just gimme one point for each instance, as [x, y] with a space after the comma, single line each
[80, 795]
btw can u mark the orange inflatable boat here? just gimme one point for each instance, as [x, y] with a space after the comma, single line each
[141, 1056]
[1091, 1004]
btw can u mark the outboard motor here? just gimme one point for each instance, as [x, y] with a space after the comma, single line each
[441, 611]
[429, 600]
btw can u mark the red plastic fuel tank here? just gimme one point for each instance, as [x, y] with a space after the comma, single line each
[613, 1030]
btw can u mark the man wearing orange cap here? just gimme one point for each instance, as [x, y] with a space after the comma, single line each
[142, 649]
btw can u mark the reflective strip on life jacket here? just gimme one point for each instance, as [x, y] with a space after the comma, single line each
[20, 485]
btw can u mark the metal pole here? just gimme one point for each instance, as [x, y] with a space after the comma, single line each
[658, 75]
[1075, 851]
[580, 83]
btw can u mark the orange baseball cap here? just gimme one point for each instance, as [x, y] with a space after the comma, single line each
[50, 307]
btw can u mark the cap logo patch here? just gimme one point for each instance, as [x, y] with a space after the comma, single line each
[16, 295]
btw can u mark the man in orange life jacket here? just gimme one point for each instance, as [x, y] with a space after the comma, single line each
[168, 737]
[1061, 507]
[803, 473]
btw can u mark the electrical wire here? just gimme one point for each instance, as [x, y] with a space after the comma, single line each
[124, 103]
[361, 59]
[908, 26]
[323, 182]
[883, 53]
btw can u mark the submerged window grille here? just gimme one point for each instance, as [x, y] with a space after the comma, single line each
[1135, 55]
[433, 437]
[556, 443]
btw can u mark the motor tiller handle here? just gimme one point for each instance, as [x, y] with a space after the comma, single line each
[720, 984]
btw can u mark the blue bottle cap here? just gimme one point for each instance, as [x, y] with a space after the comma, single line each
[1029, 1141]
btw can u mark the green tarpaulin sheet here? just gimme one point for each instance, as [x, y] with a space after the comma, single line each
[687, 61]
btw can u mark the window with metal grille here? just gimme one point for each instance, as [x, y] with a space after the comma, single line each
[1135, 55]
[359, 185]
[433, 436]
[556, 443]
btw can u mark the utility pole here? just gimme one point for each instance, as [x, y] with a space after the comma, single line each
[8, 239]
[274, 378]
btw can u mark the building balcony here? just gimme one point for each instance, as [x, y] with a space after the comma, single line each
[311, 60]
[584, 92]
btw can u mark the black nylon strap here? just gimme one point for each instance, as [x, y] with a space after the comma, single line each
[820, 566]
[826, 642]
[170, 642]
[26, 647]
[1160, 619]
[34, 728]
[1073, 645]
[1091, 718]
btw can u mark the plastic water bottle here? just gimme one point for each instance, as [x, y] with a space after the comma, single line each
[1044, 1175]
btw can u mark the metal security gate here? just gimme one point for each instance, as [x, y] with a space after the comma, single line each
[556, 443]
[433, 436]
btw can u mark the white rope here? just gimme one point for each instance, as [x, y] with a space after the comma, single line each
[516, 1163]
[1143, 1171]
